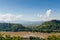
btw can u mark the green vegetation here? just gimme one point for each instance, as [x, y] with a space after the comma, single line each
[12, 27]
[53, 38]
[35, 38]
[7, 37]
[50, 26]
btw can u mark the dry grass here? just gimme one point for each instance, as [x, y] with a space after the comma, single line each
[28, 34]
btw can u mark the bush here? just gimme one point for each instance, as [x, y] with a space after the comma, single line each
[53, 37]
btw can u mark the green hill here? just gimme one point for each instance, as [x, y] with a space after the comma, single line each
[12, 27]
[50, 26]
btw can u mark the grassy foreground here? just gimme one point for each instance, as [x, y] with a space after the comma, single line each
[23, 36]
[7, 37]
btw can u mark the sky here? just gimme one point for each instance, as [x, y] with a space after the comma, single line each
[29, 10]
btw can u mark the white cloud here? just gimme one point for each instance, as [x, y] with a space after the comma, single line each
[46, 16]
[39, 15]
[10, 17]
[48, 12]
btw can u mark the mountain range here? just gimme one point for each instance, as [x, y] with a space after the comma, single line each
[48, 26]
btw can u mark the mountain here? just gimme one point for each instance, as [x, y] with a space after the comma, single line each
[26, 23]
[21, 26]
[12, 27]
[31, 23]
[49, 26]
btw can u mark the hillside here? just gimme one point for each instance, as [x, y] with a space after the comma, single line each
[12, 27]
[49, 26]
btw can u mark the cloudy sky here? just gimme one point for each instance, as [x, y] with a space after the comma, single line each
[29, 10]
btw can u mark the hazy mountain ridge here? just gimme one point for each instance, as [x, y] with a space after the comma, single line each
[12, 27]
[49, 26]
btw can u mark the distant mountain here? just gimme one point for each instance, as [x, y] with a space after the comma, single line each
[31, 23]
[26, 23]
[12, 27]
[49, 26]
[21, 26]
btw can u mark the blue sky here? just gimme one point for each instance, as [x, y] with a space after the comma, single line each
[29, 10]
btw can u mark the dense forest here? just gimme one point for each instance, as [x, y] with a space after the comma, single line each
[49, 26]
